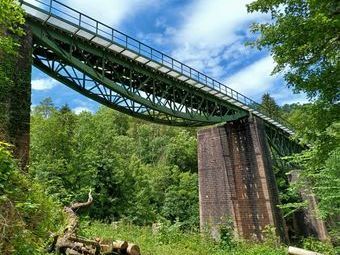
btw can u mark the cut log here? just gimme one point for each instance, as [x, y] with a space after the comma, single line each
[299, 251]
[120, 245]
[133, 249]
[106, 249]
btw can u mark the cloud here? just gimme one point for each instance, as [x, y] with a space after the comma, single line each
[207, 38]
[255, 79]
[283, 95]
[214, 23]
[44, 84]
[111, 12]
[80, 109]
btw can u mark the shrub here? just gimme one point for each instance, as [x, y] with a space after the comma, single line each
[26, 213]
[313, 244]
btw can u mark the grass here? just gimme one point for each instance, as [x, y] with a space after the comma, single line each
[172, 241]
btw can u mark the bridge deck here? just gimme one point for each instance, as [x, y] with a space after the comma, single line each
[78, 24]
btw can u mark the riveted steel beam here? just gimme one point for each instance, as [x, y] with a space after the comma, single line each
[116, 74]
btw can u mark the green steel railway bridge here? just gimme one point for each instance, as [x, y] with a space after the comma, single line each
[235, 160]
[127, 75]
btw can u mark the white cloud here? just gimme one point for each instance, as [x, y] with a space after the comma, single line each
[209, 29]
[111, 12]
[214, 23]
[255, 79]
[44, 84]
[284, 95]
[79, 109]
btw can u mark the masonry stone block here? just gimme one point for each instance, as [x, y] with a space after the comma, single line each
[236, 179]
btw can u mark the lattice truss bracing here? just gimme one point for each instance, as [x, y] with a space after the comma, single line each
[281, 146]
[125, 85]
[124, 74]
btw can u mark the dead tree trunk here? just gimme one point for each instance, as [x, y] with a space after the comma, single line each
[70, 244]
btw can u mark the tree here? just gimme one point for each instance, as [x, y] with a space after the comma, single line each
[138, 171]
[45, 108]
[27, 214]
[270, 106]
[303, 37]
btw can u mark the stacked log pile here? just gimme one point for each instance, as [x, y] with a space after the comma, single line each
[69, 243]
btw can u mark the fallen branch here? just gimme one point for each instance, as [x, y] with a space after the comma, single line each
[70, 244]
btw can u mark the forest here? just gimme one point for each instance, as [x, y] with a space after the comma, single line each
[143, 176]
[140, 173]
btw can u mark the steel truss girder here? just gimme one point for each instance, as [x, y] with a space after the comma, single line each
[280, 146]
[125, 85]
[83, 84]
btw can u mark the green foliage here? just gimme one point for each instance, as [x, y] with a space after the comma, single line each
[171, 240]
[325, 248]
[270, 106]
[139, 171]
[26, 213]
[303, 38]
[317, 125]
[227, 235]
[270, 237]
[181, 199]
[11, 19]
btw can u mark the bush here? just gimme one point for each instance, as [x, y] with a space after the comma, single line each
[313, 244]
[26, 213]
[171, 240]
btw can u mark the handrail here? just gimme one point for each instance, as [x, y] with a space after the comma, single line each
[97, 28]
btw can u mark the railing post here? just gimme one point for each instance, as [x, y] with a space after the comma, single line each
[50, 9]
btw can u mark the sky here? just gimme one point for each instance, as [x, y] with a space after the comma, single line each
[208, 35]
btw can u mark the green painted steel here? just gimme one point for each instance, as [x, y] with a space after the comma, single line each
[123, 85]
[127, 75]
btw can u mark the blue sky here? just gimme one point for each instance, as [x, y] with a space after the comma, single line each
[208, 35]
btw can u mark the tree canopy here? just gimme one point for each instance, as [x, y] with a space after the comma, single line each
[138, 171]
[303, 37]
[270, 106]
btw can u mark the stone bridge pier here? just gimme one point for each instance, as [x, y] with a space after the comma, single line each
[236, 180]
[15, 99]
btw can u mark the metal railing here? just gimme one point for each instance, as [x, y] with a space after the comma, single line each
[56, 9]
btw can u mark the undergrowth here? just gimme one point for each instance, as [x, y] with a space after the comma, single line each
[173, 241]
[27, 215]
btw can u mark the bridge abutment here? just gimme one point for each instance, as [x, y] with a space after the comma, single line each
[236, 180]
[15, 98]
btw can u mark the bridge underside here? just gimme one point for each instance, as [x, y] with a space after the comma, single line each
[125, 85]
